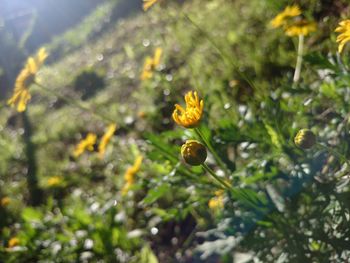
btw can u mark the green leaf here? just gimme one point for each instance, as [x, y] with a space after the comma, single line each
[147, 255]
[31, 214]
[273, 135]
[156, 193]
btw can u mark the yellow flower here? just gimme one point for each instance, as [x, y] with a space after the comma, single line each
[14, 241]
[301, 27]
[54, 181]
[148, 3]
[217, 202]
[5, 201]
[288, 12]
[193, 152]
[26, 78]
[130, 173]
[151, 63]
[105, 139]
[189, 117]
[86, 144]
[344, 37]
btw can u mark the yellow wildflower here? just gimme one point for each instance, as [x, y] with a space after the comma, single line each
[189, 117]
[26, 78]
[344, 37]
[54, 181]
[217, 202]
[86, 144]
[288, 12]
[5, 201]
[301, 27]
[151, 63]
[14, 241]
[148, 3]
[105, 139]
[130, 173]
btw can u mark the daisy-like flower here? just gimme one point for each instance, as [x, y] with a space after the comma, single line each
[130, 173]
[301, 27]
[288, 12]
[217, 202]
[191, 116]
[105, 139]
[26, 77]
[151, 63]
[344, 37]
[148, 3]
[85, 144]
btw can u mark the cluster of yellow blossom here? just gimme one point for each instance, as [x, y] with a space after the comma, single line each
[26, 77]
[151, 63]
[90, 140]
[292, 23]
[130, 173]
[148, 3]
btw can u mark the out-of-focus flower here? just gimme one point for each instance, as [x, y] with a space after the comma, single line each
[54, 181]
[217, 202]
[141, 114]
[5, 201]
[344, 37]
[130, 173]
[148, 3]
[85, 144]
[189, 117]
[26, 77]
[193, 152]
[301, 27]
[288, 12]
[292, 23]
[305, 139]
[105, 139]
[151, 63]
[14, 241]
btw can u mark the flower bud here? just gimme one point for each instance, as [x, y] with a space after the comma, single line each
[305, 139]
[193, 152]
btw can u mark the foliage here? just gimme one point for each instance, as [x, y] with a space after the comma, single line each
[275, 202]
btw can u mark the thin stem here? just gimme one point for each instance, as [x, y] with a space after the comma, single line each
[211, 149]
[297, 71]
[217, 178]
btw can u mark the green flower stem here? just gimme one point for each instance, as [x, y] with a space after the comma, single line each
[211, 149]
[217, 178]
[75, 103]
[297, 71]
[335, 153]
